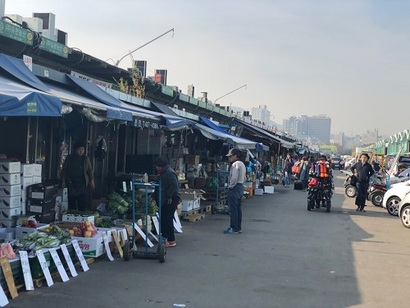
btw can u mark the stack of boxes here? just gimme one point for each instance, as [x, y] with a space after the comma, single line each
[30, 174]
[10, 193]
[41, 201]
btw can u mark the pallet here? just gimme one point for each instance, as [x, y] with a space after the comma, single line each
[205, 209]
[38, 282]
[194, 217]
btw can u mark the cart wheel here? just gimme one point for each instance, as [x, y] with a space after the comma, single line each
[328, 205]
[127, 251]
[161, 252]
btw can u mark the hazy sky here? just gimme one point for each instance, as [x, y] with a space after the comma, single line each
[348, 59]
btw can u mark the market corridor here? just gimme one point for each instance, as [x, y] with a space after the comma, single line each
[285, 257]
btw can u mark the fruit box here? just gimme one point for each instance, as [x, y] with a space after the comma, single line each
[91, 246]
[23, 231]
[78, 218]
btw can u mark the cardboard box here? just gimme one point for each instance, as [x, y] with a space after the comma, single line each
[26, 182]
[78, 218]
[63, 192]
[10, 202]
[91, 246]
[8, 223]
[190, 205]
[192, 159]
[37, 170]
[23, 231]
[7, 233]
[269, 189]
[10, 179]
[37, 179]
[10, 167]
[191, 194]
[26, 170]
[10, 191]
[258, 191]
[10, 212]
[42, 191]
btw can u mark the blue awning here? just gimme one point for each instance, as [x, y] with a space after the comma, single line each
[109, 100]
[239, 142]
[20, 100]
[19, 70]
[172, 120]
[74, 98]
[212, 125]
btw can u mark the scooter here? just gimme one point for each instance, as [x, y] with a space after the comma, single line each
[350, 190]
[376, 193]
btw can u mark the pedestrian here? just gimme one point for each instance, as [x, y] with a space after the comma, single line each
[78, 176]
[363, 171]
[169, 199]
[237, 176]
[287, 170]
[304, 171]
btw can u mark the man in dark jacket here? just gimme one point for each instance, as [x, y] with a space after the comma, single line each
[169, 199]
[363, 171]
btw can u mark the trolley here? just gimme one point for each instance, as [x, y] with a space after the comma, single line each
[156, 251]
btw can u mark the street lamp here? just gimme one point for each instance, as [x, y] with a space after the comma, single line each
[244, 86]
[138, 48]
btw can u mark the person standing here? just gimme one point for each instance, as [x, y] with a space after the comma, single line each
[237, 176]
[363, 172]
[287, 170]
[169, 199]
[78, 176]
[304, 171]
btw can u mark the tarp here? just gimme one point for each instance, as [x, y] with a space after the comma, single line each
[71, 97]
[172, 120]
[19, 100]
[213, 134]
[19, 70]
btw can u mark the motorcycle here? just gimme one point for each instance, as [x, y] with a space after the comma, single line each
[376, 193]
[319, 194]
[350, 189]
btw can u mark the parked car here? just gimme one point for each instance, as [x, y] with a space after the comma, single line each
[336, 162]
[403, 176]
[404, 211]
[394, 195]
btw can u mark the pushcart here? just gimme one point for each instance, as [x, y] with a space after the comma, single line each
[149, 250]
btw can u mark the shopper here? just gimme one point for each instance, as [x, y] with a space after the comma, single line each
[169, 199]
[287, 170]
[78, 176]
[363, 171]
[237, 176]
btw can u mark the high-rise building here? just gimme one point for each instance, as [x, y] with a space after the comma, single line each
[191, 90]
[261, 114]
[161, 76]
[315, 127]
[2, 7]
[141, 66]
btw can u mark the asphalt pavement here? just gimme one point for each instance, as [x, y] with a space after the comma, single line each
[285, 257]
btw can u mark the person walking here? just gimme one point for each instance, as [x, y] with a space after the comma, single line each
[78, 176]
[169, 199]
[287, 170]
[304, 171]
[363, 171]
[237, 176]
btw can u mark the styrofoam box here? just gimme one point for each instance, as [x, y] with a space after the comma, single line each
[77, 218]
[10, 179]
[10, 191]
[258, 192]
[23, 231]
[269, 189]
[26, 181]
[10, 202]
[10, 212]
[10, 167]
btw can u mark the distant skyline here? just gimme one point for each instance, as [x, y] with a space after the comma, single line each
[346, 59]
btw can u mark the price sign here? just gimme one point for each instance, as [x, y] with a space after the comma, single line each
[25, 266]
[44, 267]
[69, 261]
[80, 255]
[60, 267]
[107, 248]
